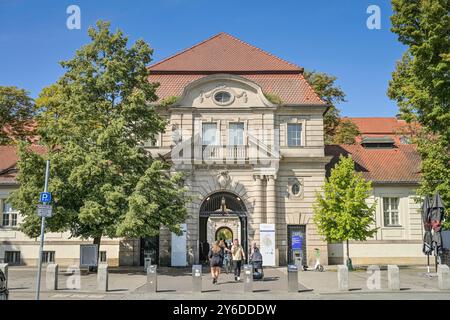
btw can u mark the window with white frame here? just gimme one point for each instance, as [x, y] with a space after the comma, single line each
[236, 134]
[48, 256]
[9, 215]
[154, 141]
[209, 134]
[391, 211]
[294, 134]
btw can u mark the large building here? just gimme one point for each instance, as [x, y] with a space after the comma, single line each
[247, 130]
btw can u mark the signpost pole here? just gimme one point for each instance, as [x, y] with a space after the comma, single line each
[41, 247]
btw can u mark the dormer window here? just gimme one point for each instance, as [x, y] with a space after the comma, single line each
[223, 97]
[378, 142]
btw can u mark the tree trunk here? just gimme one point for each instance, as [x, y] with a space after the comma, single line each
[348, 251]
[97, 241]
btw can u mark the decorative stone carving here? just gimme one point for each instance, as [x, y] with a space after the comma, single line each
[176, 134]
[234, 94]
[224, 179]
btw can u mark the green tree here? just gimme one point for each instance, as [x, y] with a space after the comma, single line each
[346, 132]
[93, 122]
[435, 169]
[327, 90]
[421, 83]
[341, 212]
[16, 111]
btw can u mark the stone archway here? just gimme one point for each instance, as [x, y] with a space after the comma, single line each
[221, 209]
[224, 233]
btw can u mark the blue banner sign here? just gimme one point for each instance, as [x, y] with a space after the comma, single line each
[297, 242]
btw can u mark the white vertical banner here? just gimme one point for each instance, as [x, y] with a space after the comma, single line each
[178, 252]
[267, 246]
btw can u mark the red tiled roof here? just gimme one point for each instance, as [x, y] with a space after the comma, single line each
[383, 127]
[8, 162]
[375, 125]
[400, 164]
[224, 53]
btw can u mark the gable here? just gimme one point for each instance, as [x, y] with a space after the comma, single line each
[223, 53]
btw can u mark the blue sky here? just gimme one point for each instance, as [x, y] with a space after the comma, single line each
[323, 35]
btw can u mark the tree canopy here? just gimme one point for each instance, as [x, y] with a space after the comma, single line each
[93, 122]
[421, 82]
[346, 132]
[325, 87]
[16, 112]
[340, 210]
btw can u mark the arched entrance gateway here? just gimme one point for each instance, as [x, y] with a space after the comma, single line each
[222, 215]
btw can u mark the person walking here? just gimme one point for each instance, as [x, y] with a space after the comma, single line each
[226, 255]
[237, 254]
[215, 261]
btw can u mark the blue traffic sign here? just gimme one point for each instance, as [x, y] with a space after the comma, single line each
[45, 197]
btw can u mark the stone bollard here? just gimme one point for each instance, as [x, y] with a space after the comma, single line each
[342, 278]
[444, 277]
[152, 283]
[393, 277]
[102, 277]
[51, 277]
[4, 268]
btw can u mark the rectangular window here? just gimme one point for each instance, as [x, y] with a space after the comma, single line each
[294, 134]
[236, 134]
[102, 256]
[391, 212]
[153, 142]
[209, 134]
[12, 257]
[9, 216]
[48, 256]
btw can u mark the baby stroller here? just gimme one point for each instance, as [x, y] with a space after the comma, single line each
[257, 264]
[258, 272]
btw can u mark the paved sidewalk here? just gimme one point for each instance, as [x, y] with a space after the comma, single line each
[176, 283]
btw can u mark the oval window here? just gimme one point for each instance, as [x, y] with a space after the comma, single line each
[295, 189]
[222, 97]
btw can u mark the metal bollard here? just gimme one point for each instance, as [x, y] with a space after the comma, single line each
[248, 278]
[147, 263]
[443, 277]
[342, 273]
[51, 277]
[292, 278]
[393, 277]
[102, 277]
[152, 283]
[197, 278]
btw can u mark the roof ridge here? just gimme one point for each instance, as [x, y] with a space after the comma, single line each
[263, 51]
[184, 50]
[300, 69]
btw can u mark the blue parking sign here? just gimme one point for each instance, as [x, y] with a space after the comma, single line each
[45, 197]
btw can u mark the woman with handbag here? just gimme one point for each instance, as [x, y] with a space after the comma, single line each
[215, 261]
